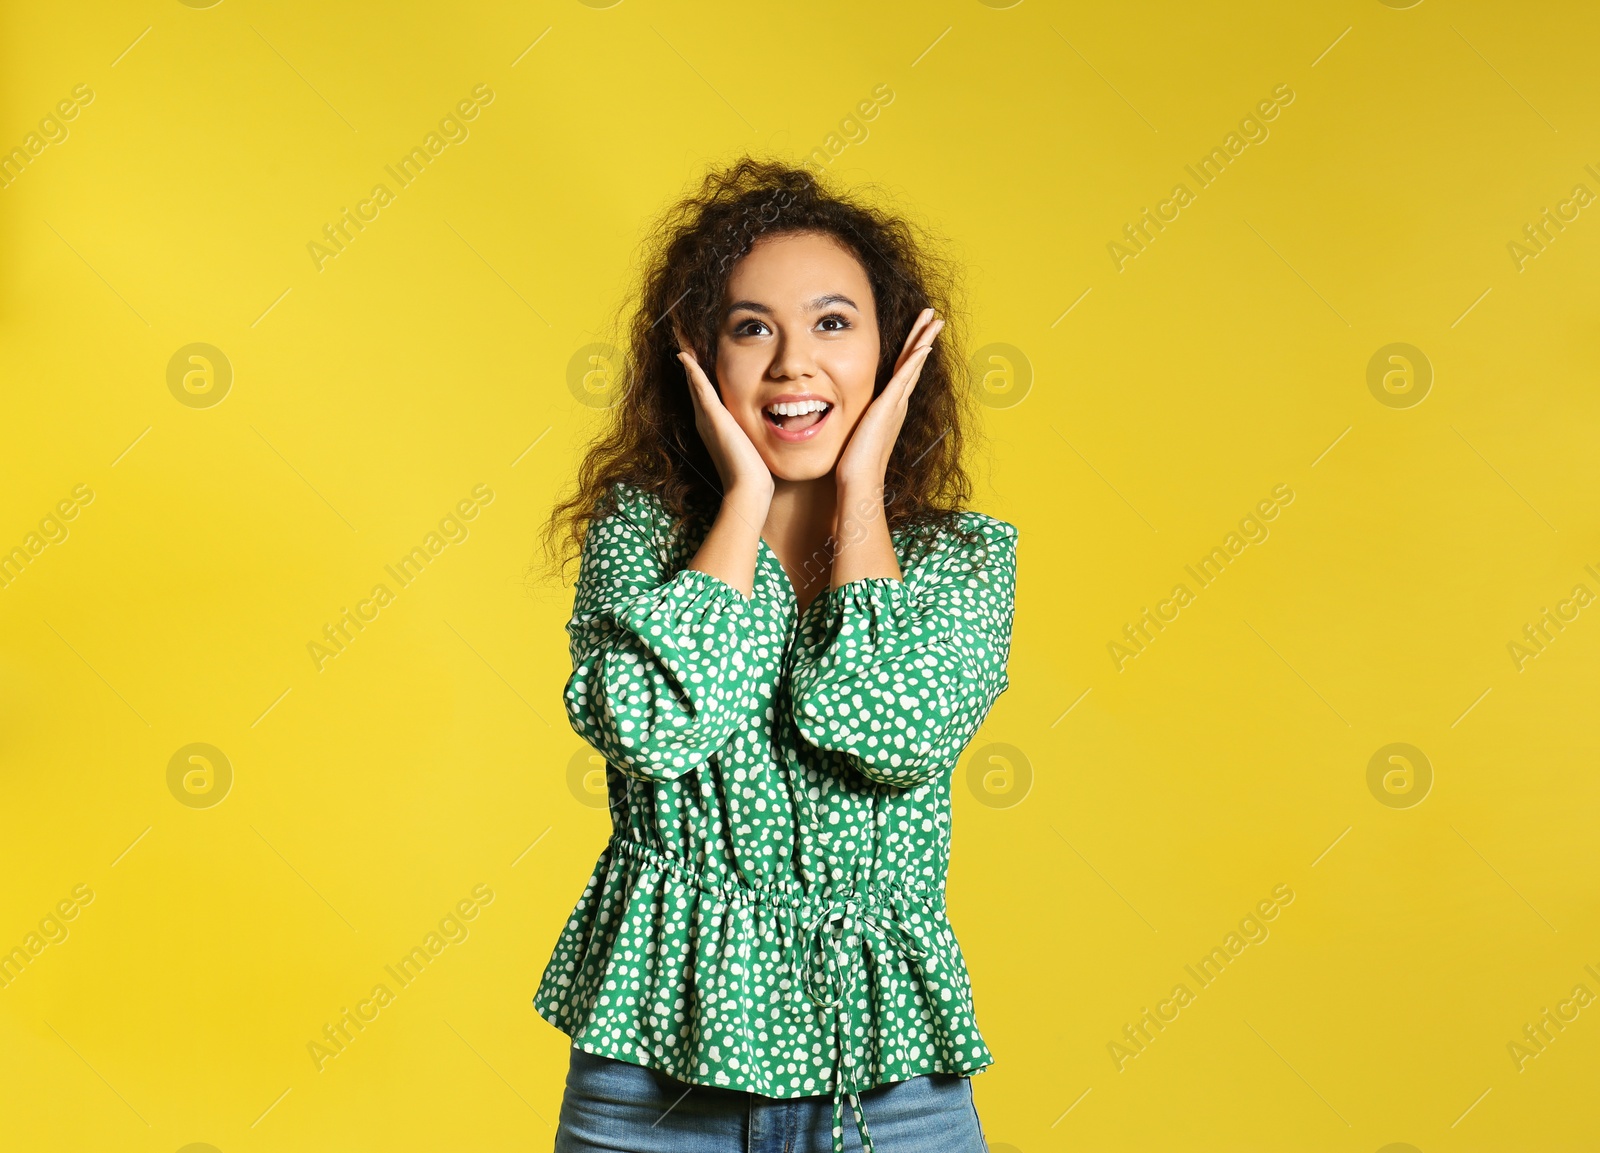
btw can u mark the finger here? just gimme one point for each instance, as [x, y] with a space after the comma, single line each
[922, 359]
[699, 384]
[921, 362]
[925, 345]
[929, 334]
[917, 326]
[692, 370]
[921, 335]
[692, 374]
[910, 370]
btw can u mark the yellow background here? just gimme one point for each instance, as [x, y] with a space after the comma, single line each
[1140, 814]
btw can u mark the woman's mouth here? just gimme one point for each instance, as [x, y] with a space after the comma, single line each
[796, 420]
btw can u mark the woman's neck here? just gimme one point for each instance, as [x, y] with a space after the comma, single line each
[799, 529]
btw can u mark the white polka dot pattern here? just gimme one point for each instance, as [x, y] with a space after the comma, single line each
[769, 913]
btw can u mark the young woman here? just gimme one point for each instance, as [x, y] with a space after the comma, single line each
[786, 631]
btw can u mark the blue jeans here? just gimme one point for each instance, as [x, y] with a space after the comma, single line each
[612, 1106]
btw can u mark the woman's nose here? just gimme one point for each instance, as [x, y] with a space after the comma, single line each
[791, 359]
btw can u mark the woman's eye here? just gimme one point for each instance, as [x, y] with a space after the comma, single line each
[748, 327]
[834, 318]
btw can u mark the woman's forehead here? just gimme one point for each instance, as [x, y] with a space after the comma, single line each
[797, 268]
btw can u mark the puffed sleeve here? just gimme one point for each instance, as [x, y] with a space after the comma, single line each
[658, 668]
[899, 674]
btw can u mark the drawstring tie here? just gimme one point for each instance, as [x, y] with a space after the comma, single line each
[830, 982]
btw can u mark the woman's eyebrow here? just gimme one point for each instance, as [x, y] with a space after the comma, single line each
[819, 302]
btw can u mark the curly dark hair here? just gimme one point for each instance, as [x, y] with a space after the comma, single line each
[651, 441]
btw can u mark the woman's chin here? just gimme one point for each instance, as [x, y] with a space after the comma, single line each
[801, 463]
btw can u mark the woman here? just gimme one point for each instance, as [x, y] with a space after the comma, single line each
[785, 632]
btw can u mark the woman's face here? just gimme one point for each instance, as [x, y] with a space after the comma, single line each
[799, 330]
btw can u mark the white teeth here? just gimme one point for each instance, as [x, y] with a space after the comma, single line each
[797, 407]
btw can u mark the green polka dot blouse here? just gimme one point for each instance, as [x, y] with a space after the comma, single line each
[768, 913]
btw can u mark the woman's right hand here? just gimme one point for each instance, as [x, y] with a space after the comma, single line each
[738, 463]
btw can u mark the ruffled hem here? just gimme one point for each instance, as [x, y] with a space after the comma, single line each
[710, 983]
[630, 1054]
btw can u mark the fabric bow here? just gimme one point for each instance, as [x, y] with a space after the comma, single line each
[830, 981]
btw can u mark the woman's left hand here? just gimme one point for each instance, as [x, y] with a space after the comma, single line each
[865, 459]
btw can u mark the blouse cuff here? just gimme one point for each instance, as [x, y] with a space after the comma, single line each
[694, 623]
[877, 648]
[880, 619]
[690, 598]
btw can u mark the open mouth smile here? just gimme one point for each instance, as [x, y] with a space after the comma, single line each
[796, 420]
